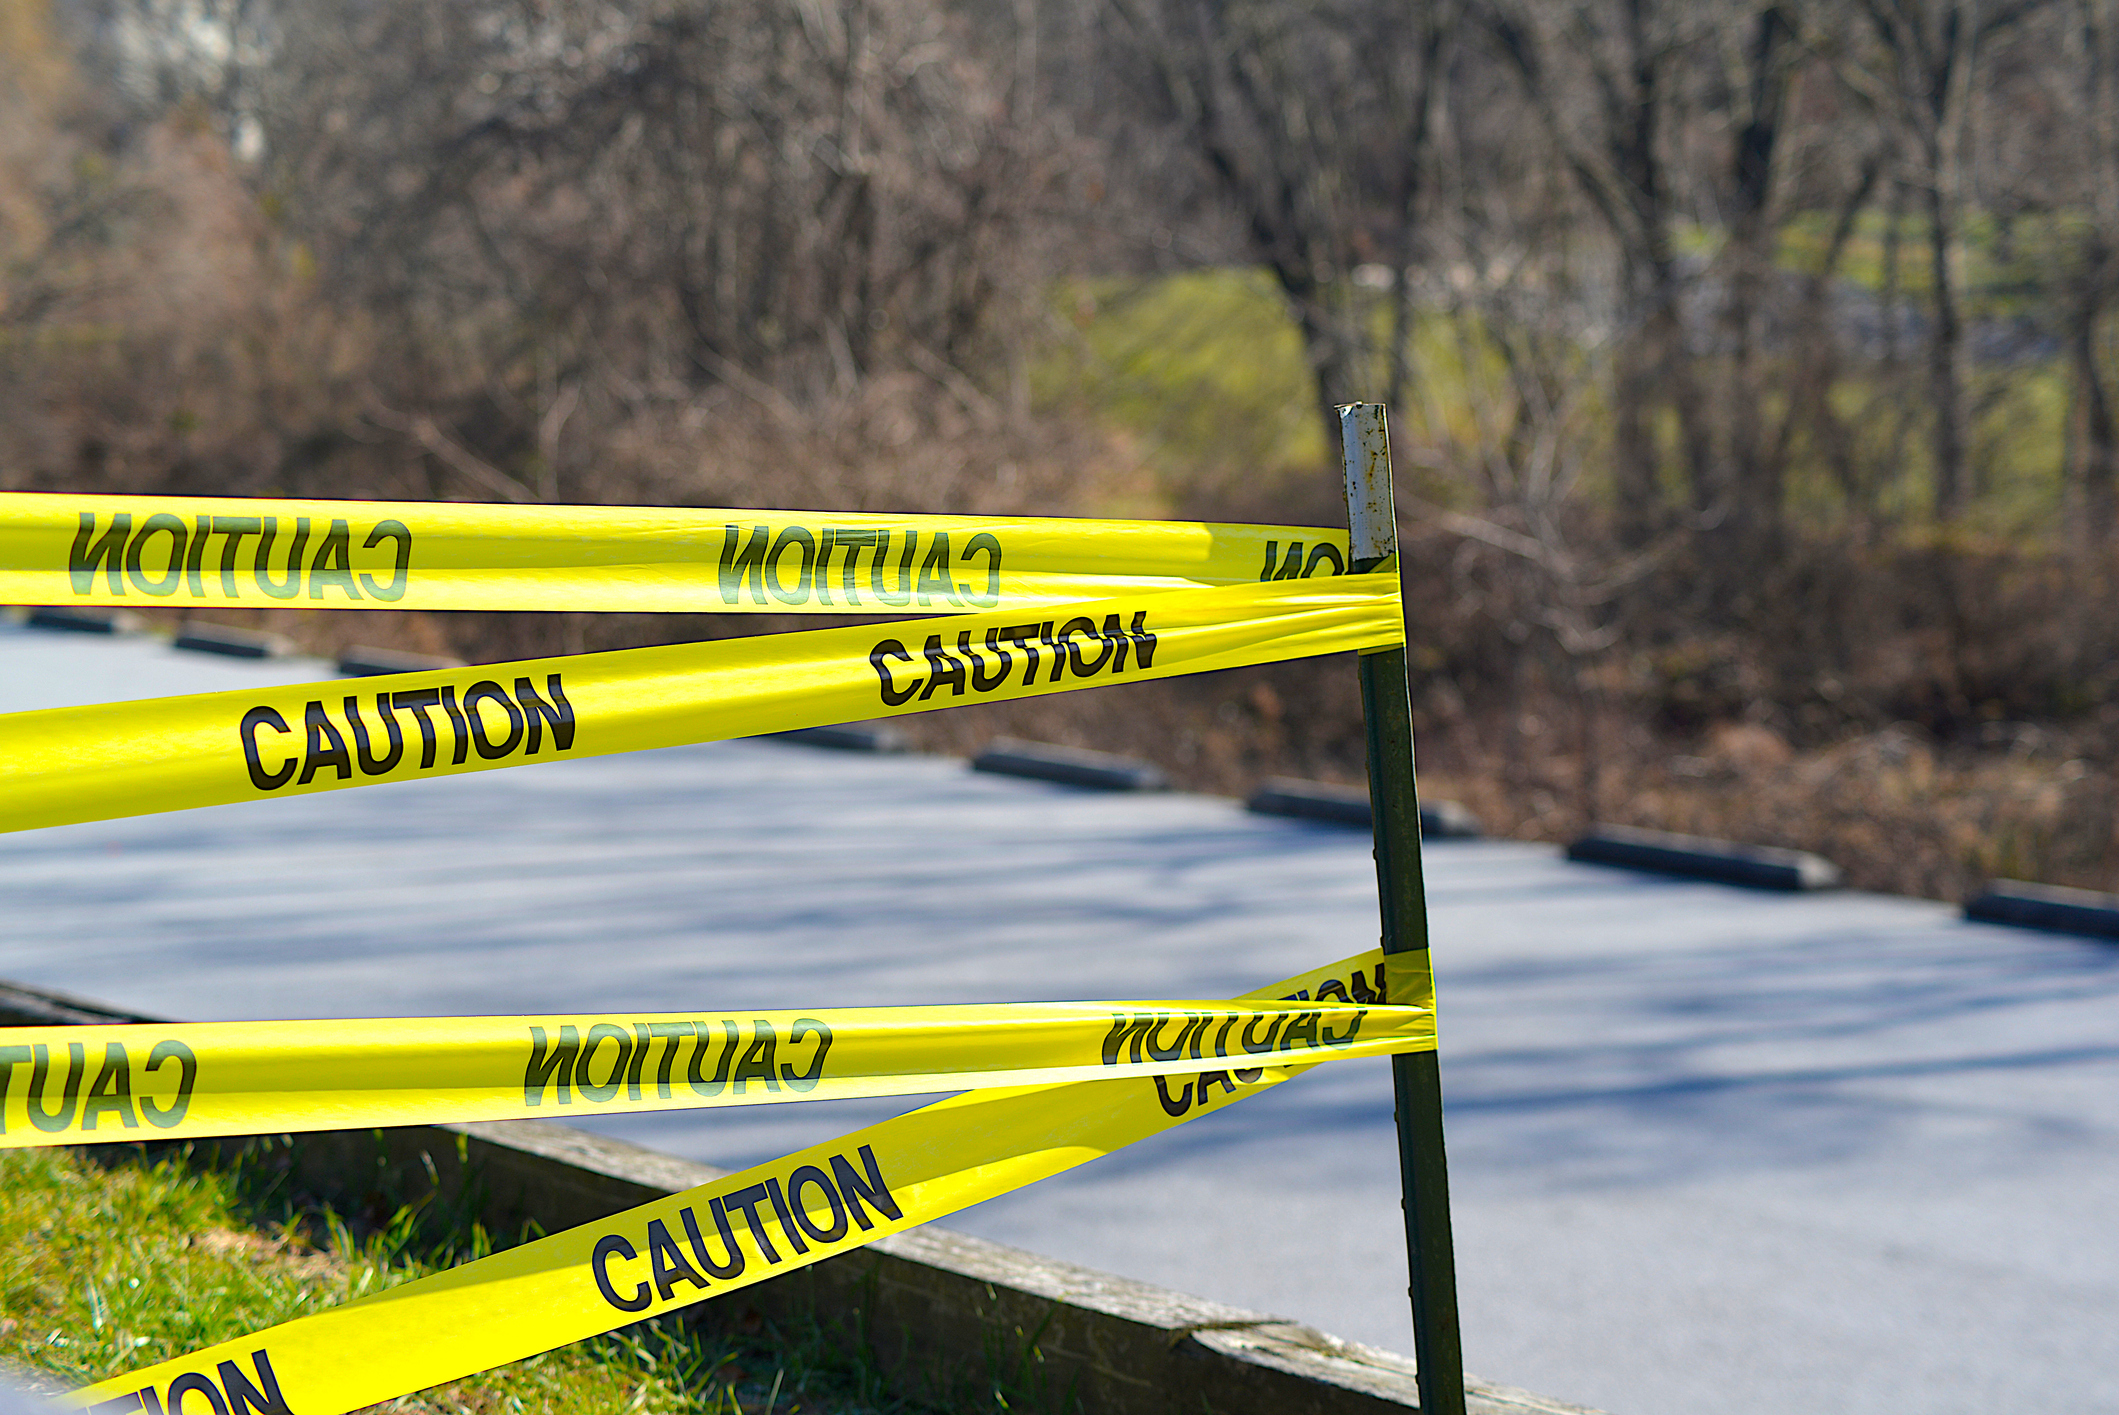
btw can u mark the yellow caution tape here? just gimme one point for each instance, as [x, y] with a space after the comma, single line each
[63, 549]
[64, 765]
[700, 1243]
[90, 1085]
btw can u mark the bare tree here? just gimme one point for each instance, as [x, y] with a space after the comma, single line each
[1759, 61]
[1922, 67]
[1604, 81]
[573, 213]
[2079, 160]
[1316, 123]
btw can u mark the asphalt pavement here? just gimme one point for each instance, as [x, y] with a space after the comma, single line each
[1711, 1150]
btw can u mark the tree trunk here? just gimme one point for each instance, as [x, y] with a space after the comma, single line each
[1756, 469]
[1636, 475]
[2100, 436]
[1946, 357]
[1335, 369]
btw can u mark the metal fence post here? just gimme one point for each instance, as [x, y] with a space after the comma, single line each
[1386, 707]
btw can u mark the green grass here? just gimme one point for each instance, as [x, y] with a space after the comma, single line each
[1203, 374]
[2010, 267]
[109, 1266]
[1204, 369]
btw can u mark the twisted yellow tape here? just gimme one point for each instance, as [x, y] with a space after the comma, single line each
[102, 1085]
[703, 1242]
[64, 765]
[214, 551]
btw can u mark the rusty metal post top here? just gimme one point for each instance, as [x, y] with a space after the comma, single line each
[1372, 514]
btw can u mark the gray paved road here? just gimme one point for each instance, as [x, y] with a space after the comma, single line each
[1713, 1151]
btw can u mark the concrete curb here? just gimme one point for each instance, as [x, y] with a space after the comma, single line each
[1726, 862]
[2050, 907]
[929, 1303]
[1349, 805]
[1070, 766]
[361, 662]
[846, 737]
[68, 619]
[198, 636]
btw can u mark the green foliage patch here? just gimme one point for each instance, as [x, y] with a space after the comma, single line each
[109, 1264]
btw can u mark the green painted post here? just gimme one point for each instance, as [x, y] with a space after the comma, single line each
[1386, 707]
